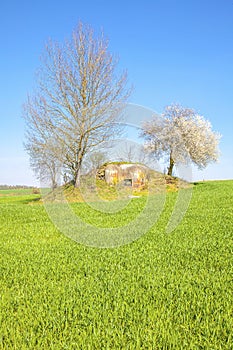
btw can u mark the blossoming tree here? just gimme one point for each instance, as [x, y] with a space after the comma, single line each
[181, 135]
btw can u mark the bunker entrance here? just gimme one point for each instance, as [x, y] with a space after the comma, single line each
[128, 182]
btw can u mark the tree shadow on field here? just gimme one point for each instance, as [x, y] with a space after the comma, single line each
[198, 183]
[27, 201]
[31, 201]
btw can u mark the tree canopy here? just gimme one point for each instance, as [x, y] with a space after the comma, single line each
[76, 105]
[181, 135]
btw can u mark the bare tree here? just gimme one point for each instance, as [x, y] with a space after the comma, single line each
[132, 153]
[42, 146]
[182, 135]
[94, 161]
[79, 99]
[45, 166]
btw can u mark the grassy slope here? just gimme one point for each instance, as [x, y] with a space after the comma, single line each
[164, 291]
[159, 183]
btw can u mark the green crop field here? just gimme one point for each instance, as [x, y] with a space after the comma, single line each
[162, 291]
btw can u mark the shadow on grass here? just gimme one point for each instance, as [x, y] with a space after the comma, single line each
[31, 201]
[19, 200]
[198, 183]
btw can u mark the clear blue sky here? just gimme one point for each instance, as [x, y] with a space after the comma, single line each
[174, 51]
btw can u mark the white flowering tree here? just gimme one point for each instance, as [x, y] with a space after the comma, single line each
[181, 135]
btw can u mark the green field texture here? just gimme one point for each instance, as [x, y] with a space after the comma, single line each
[162, 291]
[15, 192]
[19, 195]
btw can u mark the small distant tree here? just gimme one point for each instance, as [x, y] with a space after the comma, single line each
[132, 153]
[44, 164]
[77, 102]
[94, 161]
[181, 135]
[43, 148]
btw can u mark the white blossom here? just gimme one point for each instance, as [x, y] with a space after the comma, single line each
[183, 135]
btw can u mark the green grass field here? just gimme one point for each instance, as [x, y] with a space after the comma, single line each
[163, 291]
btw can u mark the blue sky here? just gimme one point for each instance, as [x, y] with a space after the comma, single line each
[174, 51]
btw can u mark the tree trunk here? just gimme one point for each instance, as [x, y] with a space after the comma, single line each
[171, 165]
[54, 184]
[78, 170]
[77, 179]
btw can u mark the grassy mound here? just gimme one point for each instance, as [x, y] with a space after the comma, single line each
[99, 190]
